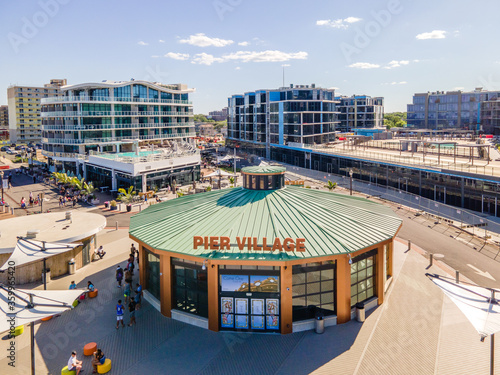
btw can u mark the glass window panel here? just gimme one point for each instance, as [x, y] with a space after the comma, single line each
[300, 301]
[313, 288]
[362, 286]
[354, 290]
[327, 286]
[362, 264]
[354, 278]
[362, 274]
[369, 261]
[354, 299]
[314, 300]
[369, 271]
[329, 307]
[298, 278]
[362, 296]
[370, 293]
[327, 298]
[369, 283]
[313, 276]
[354, 267]
[299, 290]
[327, 274]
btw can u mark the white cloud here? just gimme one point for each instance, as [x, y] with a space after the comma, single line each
[434, 34]
[338, 23]
[243, 44]
[395, 83]
[155, 56]
[396, 64]
[361, 65]
[141, 43]
[237, 68]
[201, 40]
[177, 56]
[205, 59]
[161, 41]
[265, 56]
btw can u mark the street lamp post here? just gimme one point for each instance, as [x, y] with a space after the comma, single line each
[350, 181]
[1, 178]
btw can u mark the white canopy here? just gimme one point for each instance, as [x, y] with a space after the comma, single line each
[475, 302]
[219, 173]
[27, 251]
[43, 303]
[228, 157]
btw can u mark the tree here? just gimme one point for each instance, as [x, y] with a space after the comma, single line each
[331, 185]
[395, 120]
[126, 196]
[231, 180]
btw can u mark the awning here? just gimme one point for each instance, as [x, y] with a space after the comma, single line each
[27, 251]
[27, 306]
[219, 173]
[479, 305]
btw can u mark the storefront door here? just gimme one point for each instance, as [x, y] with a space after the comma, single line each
[249, 302]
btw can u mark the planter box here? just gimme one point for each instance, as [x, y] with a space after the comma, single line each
[112, 208]
[129, 208]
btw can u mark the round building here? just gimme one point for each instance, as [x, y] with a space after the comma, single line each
[267, 257]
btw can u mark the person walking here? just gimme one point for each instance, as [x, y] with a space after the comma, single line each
[119, 276]
[127, 292]
[119, 314]
[138, 296]
[131, 310]
[23, 202]
[9, 179]
[128, 276]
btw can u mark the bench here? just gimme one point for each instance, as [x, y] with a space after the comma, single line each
[65, 371]
[105, 367]
[89, 348]
[93, 294]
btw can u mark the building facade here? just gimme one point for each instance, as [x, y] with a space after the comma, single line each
[24, 110]
[219, 115]
[4, 122]
[315, 253]
[450, 110]
[490, 116]
[360, 111]
[300, 115]
[138, 122]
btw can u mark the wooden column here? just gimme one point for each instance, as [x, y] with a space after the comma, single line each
[390, 258]
[213, 296]
[165, 285]
[286, 299]
[142, 266]
[343, 279]
[379, 274]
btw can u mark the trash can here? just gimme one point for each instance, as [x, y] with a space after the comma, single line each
[48, 275]
[360, 312]
[319, 323]
[71, 267]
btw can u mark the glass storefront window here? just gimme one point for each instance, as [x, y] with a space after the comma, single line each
[363, 277]
[153, 274]
[190, 287]
[313, 290]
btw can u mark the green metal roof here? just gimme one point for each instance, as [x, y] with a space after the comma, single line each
[330, 223]
[263, 170]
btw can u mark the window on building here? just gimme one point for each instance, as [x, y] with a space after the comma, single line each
[190, 287]
[313, 290]
[363, 277]
[152, 274]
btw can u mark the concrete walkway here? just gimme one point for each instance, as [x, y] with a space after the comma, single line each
[416, 331]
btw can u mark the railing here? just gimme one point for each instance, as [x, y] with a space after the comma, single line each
[119, 126]
[156, 156]
[115, 139]
[111, 99]
[113, 113]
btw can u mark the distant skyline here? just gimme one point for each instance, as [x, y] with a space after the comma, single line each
[225, 47]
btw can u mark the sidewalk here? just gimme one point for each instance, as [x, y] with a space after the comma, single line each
[416, 331]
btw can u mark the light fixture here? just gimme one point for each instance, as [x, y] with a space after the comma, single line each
[350, 259]
[203, 266]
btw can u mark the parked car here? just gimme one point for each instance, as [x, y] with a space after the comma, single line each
[4, 148]
[10, 152]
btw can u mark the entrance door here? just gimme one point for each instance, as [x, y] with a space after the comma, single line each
[86, 253]
[489, 205]
[249, 302]
[440, 193]
[329, 168]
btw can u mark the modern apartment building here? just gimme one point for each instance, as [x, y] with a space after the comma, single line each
[360, 111]
[297, 116]
[490, 116]
[450, 110]
[124, 121]
[24, 109]
[219, 115]
[4, 122]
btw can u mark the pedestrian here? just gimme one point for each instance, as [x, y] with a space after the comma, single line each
[130, 264]
[131, 310]
[119, 314]
[23, 202]
[74, 364]
[72, 285]
[119, 276]
[9, 178]
[128, 276]
[127, 292]
[31, 200]
[60, 202]
[138, 296]
[99, 359]
[34, 178]
[90, 286]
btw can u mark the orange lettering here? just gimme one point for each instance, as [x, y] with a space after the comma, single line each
[205, 242]
[241, 244]
[197, 240]
[225, 243]
[264, 245]
[249, 243]
[214, 243]
[300, 244]
[277, 245]
[288, 244]
[256, 247]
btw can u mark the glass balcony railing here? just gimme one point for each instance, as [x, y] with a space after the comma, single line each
[80, 99]
[113, 113]
[117, 126]
[129, 139]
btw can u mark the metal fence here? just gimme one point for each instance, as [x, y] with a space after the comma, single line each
[476, 224]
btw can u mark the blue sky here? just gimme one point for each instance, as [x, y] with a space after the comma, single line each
[225, 47]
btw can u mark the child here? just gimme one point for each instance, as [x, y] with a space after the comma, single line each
[119, 314]
[72, 285]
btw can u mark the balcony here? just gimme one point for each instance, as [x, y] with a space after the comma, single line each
[118, 126]
[78, 99]
[128, 139]
[112, 113]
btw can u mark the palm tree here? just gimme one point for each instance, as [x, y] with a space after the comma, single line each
[231, 180]
[77, 184]
[126, 196]
[331, 185]
[88, 189]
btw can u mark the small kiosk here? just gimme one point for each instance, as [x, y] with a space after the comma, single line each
[267, 257]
